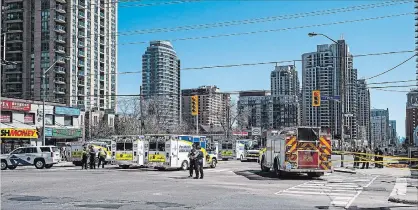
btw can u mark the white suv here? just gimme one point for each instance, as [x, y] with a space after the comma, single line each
[40, 156]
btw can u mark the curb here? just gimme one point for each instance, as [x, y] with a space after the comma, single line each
[345, 171]
[404, 201]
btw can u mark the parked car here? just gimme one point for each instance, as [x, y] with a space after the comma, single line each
[39, 156]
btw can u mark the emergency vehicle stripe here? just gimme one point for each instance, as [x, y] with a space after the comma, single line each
[326, 143]
[293, 148]
[291, 141]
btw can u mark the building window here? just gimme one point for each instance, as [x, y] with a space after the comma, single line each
[49, 119]
[29, 118]
[95, 120]
[68, 120]
[6, 117]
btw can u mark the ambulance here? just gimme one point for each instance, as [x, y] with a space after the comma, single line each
[177, 148]
[155, 156]
[227, 150]
[129, 150]
[76, 150]
[298, 150]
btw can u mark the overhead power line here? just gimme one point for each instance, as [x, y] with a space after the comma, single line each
[393, 68]
[249, 64]
[265, 19]
[399, 81]
[278, 30]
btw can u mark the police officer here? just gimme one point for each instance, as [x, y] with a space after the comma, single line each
[102, 158]
[92, 157]
[84, 158]
[199, 162]
[192, 161]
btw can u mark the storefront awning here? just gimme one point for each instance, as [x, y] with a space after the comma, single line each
[18, 130]
[17, 126]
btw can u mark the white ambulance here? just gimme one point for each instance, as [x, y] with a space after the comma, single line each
[177, 150]
[155, 153]
[129, 150]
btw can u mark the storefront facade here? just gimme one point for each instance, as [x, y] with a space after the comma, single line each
[17, 125]
[21, 124]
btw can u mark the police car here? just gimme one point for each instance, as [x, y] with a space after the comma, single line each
[39, 156]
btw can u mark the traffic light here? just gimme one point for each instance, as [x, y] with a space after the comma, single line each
[316, 98]
[195, 105]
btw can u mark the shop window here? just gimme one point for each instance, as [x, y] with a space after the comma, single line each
[68, 120]
[49, 119]
[29, 118]
[6, 117]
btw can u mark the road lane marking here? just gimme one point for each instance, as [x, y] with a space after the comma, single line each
[400, 187]
[358, 193]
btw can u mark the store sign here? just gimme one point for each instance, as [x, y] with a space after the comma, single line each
[17, 106]
[18, 133]
[67, 111]
[63, 133]
[4, 118]
[29, 118]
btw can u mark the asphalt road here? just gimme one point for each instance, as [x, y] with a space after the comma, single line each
[232, 185]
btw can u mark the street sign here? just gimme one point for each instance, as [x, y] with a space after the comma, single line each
[326, 98]
[255, 131]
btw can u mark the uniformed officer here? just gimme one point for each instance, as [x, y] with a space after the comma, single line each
[199, 162]
[102, 158]
[192, 160]
[84, 158]
[92, 157]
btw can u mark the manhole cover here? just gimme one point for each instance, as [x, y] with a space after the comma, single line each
[27, 198]
[102, 206]
[165, 204]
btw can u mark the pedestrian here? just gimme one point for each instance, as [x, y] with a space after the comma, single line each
[380, 152]
[199, 162]
[356, 157]
[102, 157]
[84, 159]
[366, 156]
[92, 157]
[192, 161]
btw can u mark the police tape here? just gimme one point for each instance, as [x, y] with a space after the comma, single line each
[374, 155]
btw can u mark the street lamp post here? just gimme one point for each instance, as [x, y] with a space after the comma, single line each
[43, 98]
[342, 91]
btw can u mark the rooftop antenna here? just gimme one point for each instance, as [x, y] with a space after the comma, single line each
[342, 36]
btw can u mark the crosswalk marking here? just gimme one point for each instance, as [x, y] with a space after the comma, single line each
[342, 192]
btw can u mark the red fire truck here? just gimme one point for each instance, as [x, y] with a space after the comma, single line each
[298, 150]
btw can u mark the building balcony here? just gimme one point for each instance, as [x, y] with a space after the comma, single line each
[60, 50]
[60, 9]
[59, 81]
[81, 35]
[82, 25]
[14, 39]
[61, 60]
[81, 73]
[60, 39]
[102, 78]
[80, 64]
[14, 30]
[80, 84]
[14, 90]
[14, 20]
[14, 50]
[13, 81]
[81, 54]
[102, 69]
[59, 70]
[13, 71]
[102, 15]
[60, 19]
[102, 25]
[81, 15]
[81, 4]
[60, 29]
[81, 45]
[59, 91]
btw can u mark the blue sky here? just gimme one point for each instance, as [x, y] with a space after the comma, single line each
[384, 35]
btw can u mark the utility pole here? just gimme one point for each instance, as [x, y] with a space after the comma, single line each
[341, 49]
[140, 107]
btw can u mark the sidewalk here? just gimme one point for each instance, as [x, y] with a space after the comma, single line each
[64, 164]
[405, 191]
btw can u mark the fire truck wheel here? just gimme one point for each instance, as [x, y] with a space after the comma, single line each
[277, 171]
